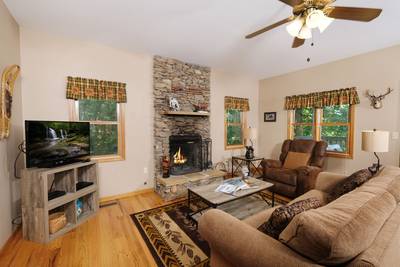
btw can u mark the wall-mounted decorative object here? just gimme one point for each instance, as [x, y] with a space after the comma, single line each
[8, 78]
[174, 104]
[270, 117]
[376, 101]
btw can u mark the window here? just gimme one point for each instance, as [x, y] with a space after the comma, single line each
[333, 124]
[107, 140]
[235, 123]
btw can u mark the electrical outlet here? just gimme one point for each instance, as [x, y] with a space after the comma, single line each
[145, 170]
[395, 135]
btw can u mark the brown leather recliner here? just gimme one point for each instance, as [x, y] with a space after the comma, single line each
[295, 182]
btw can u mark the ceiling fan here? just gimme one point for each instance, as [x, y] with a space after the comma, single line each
[312, 14]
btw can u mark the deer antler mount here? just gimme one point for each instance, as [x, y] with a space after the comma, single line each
[376, 101]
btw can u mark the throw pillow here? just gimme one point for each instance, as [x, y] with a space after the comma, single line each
[349, 184]
[282, 216]
[295, 160]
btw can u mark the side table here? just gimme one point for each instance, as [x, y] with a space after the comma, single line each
[241, 160]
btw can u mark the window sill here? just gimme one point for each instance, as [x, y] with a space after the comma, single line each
[104, 159]
[339, 155]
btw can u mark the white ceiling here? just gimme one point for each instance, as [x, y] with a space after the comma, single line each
[209, 32]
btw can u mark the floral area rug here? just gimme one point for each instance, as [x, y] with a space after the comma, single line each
[173, 239]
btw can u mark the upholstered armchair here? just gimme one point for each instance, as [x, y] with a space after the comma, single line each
[295, 181]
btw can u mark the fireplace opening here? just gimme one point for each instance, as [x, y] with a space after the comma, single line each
[185, 153]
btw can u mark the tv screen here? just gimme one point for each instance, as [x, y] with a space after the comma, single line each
[50, 143]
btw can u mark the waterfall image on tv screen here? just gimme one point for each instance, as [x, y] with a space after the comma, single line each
[50, 142]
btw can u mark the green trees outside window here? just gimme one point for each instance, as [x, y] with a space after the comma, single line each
[103, 117]
[332, 124]
[234, 128]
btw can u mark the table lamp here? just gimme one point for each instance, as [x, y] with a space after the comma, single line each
[250, 134]
[377, 142]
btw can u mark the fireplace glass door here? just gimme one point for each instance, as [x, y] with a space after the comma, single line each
[185, 152]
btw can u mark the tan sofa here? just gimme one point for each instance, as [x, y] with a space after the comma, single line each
[368, 219]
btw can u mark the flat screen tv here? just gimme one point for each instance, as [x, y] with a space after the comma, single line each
[52, 143]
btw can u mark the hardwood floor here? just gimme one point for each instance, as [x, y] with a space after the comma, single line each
[108, 239]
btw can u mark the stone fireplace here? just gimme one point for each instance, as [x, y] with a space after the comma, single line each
[185, 154]
[181, 135]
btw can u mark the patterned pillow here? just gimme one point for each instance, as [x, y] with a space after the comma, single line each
[349, 184]
[282, 216]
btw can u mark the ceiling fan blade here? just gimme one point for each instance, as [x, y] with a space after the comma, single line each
[297, 42]
[270, 27]
[292, 2]
[353, 13]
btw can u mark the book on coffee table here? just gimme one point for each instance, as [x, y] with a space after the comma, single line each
[232, 186]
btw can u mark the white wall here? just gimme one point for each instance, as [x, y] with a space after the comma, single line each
[47, 61]
[9, 55]
[374, 71]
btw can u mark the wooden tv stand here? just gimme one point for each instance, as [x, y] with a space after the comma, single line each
[36, 207]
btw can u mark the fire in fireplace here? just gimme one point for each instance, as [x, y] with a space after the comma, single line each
[185, 152]
[179, 158]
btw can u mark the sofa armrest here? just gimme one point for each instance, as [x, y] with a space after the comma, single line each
[326, 181]
[306, 178]
[242, 245]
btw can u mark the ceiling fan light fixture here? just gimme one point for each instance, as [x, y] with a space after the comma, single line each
[324, 24]
[314, 18]
[295, 27]
[305, 33]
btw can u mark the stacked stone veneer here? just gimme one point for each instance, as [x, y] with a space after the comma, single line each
[189, 84]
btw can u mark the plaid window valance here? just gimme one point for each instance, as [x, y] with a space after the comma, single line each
[347, 96]
[241, 104]
[82, 88]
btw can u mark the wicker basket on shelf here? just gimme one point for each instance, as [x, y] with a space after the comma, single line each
[57, 221]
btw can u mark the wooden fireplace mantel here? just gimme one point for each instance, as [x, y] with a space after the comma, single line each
[186, 113]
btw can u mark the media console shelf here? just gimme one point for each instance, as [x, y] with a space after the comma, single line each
[36, 208]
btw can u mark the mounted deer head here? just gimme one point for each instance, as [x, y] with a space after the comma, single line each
[376, 101]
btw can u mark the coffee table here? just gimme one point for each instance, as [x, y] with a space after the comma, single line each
[212, 199]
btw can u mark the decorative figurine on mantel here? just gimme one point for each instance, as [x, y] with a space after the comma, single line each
[174, 104]
[200, 107]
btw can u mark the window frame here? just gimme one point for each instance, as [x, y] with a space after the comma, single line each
[243, 124]
[120, 156]
[317, 126]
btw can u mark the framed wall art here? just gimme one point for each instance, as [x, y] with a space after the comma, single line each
[270, 117]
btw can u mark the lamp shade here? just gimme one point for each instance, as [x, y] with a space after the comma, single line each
[375, 141]
[295, 27]
[250, 133]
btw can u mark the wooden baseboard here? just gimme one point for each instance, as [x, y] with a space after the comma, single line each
[126, 195]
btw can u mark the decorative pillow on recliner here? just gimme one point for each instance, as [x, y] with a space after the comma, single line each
[295, 160]
[349, 184]
[282, 216]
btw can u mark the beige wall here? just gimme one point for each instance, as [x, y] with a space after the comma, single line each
[230, 84]
[9, 55]
[47, 61]
[374, 71]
